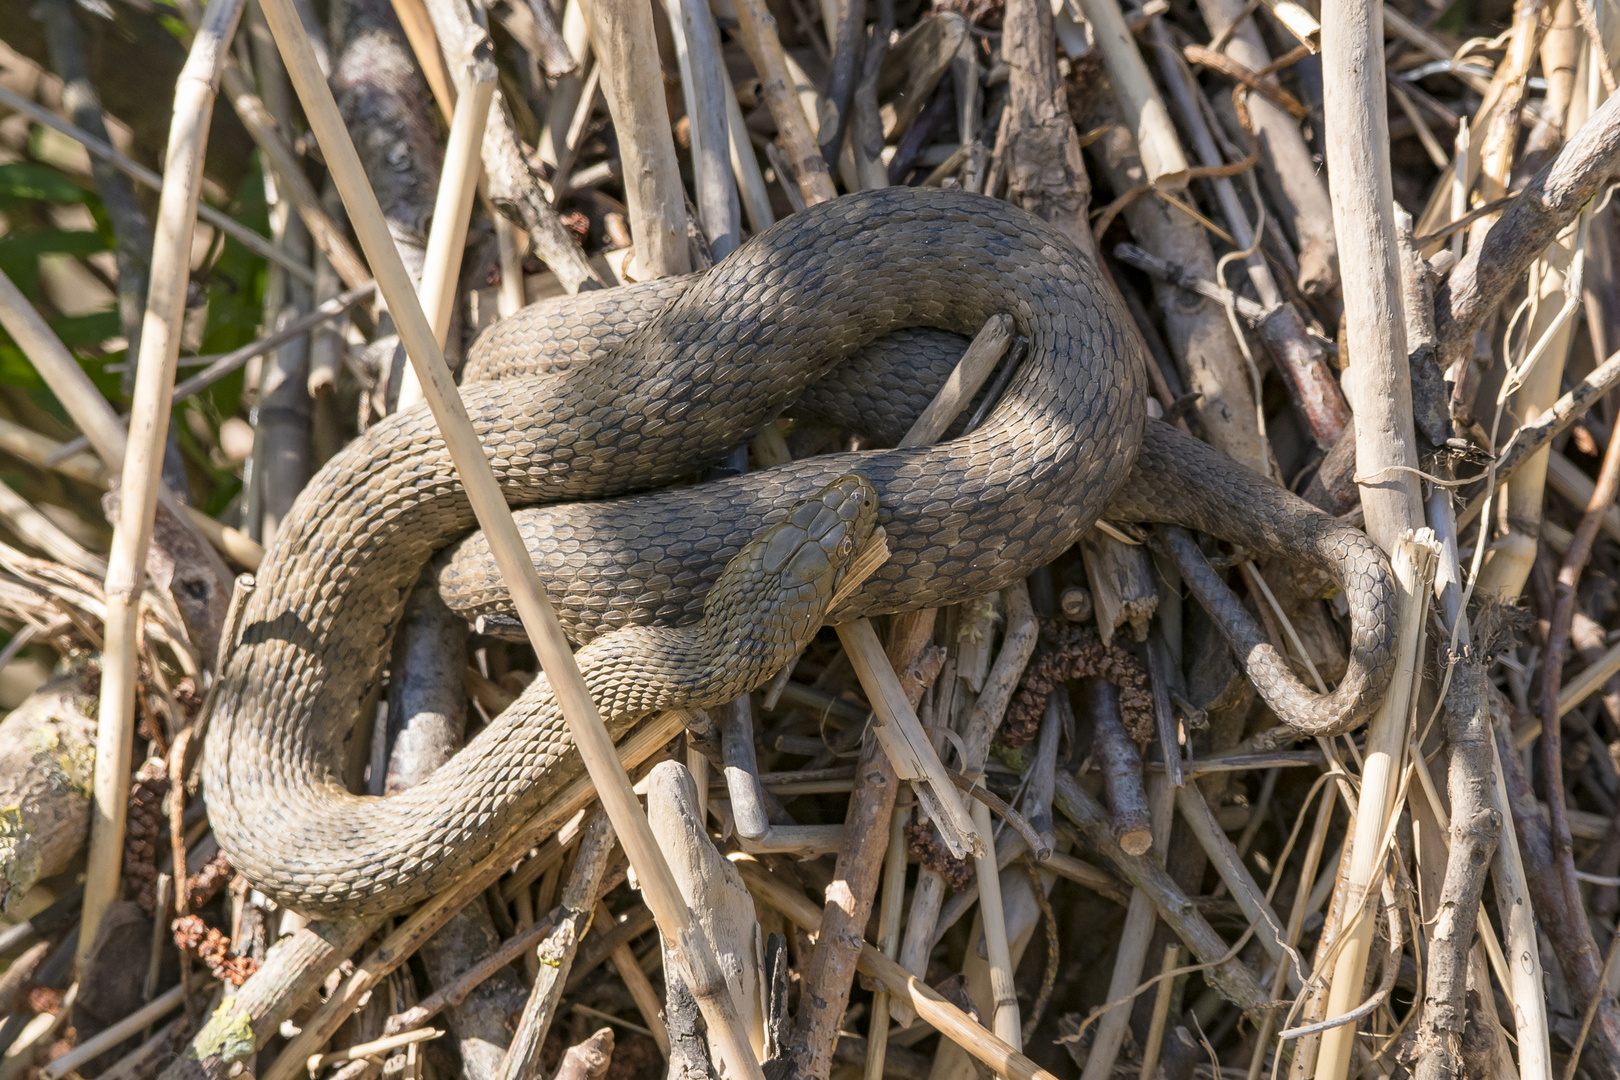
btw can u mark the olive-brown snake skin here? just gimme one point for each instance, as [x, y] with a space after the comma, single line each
[635, 388]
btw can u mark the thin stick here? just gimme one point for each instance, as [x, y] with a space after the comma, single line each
[1564, 606]
[1251, 899]
[1006, 1022]
[456, 992]
[447, 238]
[579, 901]
[1592, 1008]
[1161, 1012]
[109, 1037]
[142, 472]
[890, 911]
[290, 178]
[635, 980]
[1535, 216]
[981, 357]
[861, 857]
[489, 505]
[381, 1046]
[904, 741]
[107, 152]
[1134, 939]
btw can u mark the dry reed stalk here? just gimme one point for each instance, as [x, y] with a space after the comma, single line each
[143, 460]
[1387, 737]
[104, 430]
[632, 80]
[418, 26]
[703, 84]
[1135, 938]
[452, 211]
[1519, 937]
[809, 169]
[293, 185]
[489, 505]
[891, 910]
[1141, 108]
[756, 201]
[1555, 281]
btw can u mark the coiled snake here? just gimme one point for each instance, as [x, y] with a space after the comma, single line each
[634, 388]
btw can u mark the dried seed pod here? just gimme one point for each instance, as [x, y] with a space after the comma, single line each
[1073, 652]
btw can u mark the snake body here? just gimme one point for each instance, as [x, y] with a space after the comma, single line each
[632, 389]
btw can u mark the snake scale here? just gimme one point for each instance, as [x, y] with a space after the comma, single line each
[586, 401]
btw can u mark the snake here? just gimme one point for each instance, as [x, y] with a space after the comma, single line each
[596, 412]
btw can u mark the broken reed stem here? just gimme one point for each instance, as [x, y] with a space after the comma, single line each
[1520, 939]
[632, 80]
[143, 459]
[489, 505]
[1120, 763]
[758, 30]
[1380, 774]
[452, 211]
[1005, 1019]
[1141, 107]
[980, 359]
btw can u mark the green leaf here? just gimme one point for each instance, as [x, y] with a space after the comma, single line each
[26, 181]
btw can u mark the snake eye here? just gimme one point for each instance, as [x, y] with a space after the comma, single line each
[846, 547]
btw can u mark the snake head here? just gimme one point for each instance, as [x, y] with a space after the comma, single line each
[787, 575]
